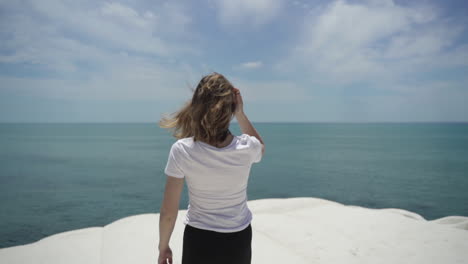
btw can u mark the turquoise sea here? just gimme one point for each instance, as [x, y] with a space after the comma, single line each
[56, 177]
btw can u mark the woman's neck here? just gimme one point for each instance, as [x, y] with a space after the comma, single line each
[226, 142]
[228, 139]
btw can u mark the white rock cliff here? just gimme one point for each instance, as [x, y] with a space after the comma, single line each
[294, 230]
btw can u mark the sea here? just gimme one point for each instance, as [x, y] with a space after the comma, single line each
[56, 177]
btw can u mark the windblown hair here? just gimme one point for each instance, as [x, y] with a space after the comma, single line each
[207, 115]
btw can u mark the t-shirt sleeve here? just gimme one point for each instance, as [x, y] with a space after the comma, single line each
[173, 162]
[256, 149]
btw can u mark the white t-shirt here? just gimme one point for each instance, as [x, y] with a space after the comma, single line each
[217, 181]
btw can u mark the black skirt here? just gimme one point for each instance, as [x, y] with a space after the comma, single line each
[202, 246]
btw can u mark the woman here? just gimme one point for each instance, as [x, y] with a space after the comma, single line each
[216, 165]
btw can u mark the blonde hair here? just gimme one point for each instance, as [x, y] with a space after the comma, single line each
[207, 115]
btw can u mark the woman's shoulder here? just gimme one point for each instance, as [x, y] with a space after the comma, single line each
[184, 142]
[243, 139]
[246, 139]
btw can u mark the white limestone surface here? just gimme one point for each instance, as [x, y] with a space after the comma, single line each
[293, 230]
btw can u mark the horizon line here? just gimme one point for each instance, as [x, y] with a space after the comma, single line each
[269, 122]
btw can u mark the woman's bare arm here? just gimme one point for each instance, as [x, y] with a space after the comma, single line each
[247, 127]
[169, 209]
[244, 122]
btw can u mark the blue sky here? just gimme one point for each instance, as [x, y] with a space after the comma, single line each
[295, 61]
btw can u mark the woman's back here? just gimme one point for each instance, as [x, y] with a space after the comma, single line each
[216, 179]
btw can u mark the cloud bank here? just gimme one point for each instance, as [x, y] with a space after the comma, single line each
[326, 61]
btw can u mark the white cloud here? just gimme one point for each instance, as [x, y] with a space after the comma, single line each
[380, 61]
[95, 50]
[251, 65]
[56, 34]
[121, 51]
[130, 78]
[128, 15]
[428, 41]
[271, 91]
[371, 41]
[248, 12]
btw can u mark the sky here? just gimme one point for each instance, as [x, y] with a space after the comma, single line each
[293, 61]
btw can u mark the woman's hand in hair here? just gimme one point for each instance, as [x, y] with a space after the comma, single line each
[238, 101]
